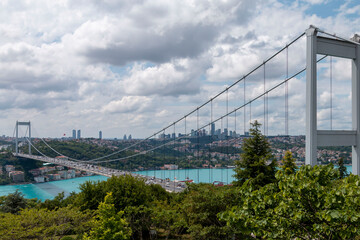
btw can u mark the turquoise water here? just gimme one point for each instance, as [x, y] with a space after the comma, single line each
[49, 190]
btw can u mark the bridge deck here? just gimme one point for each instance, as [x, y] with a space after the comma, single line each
[104, 171]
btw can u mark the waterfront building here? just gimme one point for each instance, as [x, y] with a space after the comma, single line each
[17, 176]
[171, 166]
[39, 179]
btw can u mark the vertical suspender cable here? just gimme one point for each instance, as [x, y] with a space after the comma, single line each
[209, 156]
[244, 106]
[250, 115]
[227, 129]
[186, 139]
[330, 92]
[287, 94]
[212, 132]
[198, 133]
[264, 102]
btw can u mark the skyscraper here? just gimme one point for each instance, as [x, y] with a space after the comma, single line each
[212, 129]
[124, 137]
[100, 134]
[74, 134]
[79, 134]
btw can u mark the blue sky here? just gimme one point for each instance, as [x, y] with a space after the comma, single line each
[128, 67]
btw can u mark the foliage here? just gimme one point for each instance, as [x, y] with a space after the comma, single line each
[126, 191]
[13, 202]
[109, 223]
[311, 204]
[139, 219]
[43, 224]
[58, 202]
[256, 154]
[342, 169]
[200, 208]
[288, 166]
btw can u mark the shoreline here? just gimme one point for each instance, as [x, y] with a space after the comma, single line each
[33, 182]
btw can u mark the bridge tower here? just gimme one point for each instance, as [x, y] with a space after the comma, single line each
[314, 138]
[17, 135]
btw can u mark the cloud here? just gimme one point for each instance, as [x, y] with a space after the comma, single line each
[128, 104]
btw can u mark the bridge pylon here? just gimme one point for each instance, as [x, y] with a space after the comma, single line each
[17, 135]
[338, 48]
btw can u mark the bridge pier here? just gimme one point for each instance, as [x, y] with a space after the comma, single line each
[314, 138]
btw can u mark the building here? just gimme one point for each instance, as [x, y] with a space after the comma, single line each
[124, 137]
[74, 134]
[171, 166]
[212, 132]
[17, 176]
[39, 179]
[100, 134]
[79, 134]
[130, 137]
[9, 168]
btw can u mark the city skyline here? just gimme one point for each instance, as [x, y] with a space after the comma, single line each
[140, 66]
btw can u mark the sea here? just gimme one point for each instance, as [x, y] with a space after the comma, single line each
[49, 190]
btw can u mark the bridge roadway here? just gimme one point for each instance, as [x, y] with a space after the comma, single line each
[169, 186]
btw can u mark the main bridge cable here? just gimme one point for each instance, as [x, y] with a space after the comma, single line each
[193, 111]
[220, 118]
[236, 82]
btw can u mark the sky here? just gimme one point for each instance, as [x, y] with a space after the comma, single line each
[133, 67]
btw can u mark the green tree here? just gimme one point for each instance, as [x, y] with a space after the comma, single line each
[253, 163]
[44, 224]
[289, 166]
[126, 191]
[201, 207]
[311, 204]
[109, 223]
[342, 169]
[13, 202]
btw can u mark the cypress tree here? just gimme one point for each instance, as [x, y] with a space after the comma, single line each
[253, 163]
[342, 169]
[289, 166]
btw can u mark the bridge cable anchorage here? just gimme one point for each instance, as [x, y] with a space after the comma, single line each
[331, 90]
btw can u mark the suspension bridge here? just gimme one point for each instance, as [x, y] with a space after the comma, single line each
[262, 94]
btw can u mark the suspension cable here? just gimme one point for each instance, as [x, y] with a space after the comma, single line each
[331, 116]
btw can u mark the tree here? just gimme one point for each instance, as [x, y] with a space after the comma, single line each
[342, 169]
[126, 191]
[109, 224]
[44, 224]
[311, 204]
[13, 202]
[289, 166]
[253, 164]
